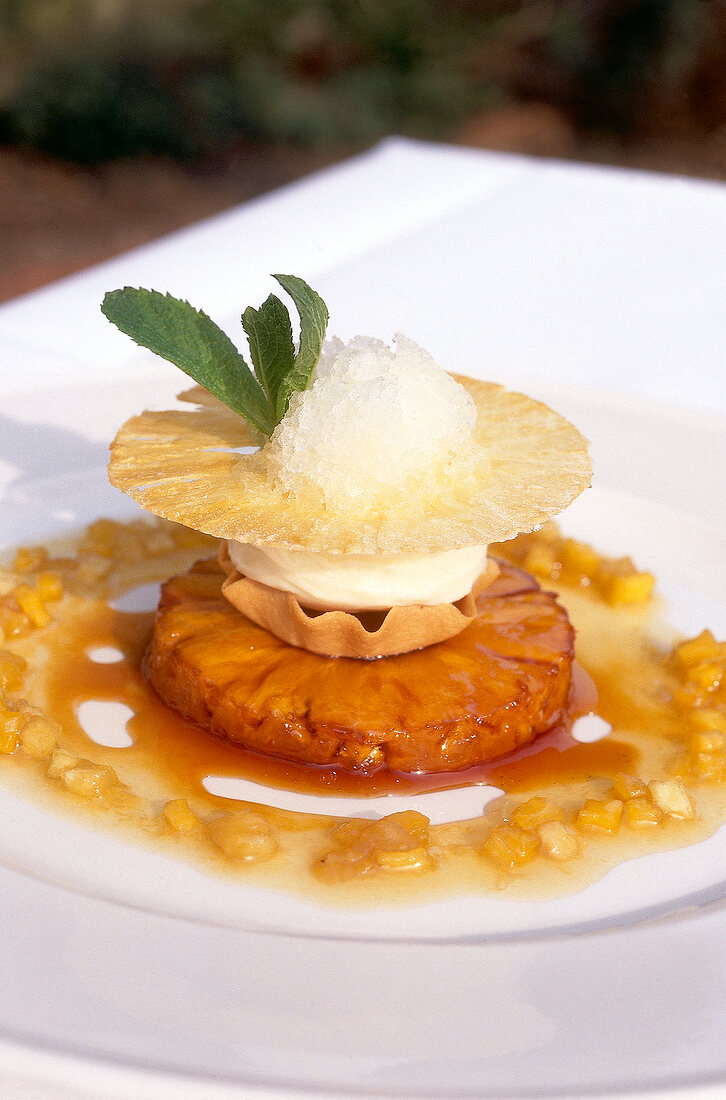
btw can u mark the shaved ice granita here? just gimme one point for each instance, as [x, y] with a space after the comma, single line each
[351, 543]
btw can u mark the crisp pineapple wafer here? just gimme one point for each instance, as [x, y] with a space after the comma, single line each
[197, 395]
[185, 466]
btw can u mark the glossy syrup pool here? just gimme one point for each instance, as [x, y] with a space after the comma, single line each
[165, 770]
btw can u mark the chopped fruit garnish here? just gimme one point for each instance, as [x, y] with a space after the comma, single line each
[707, 718]
[621, 583]
[670, 797]
[32, 605]
[89, 780]
[511, 846]
[244, 836]
[558, 841]
[397, 842]
[703, 647]
[708, 740]
[60, 761]
[8, 741]
[30, 558]
[600, 815]
[628, 786]
[39, 735]
[641, 811]
[180, 815]
[535, 812]
[12, 670]
[49, 586]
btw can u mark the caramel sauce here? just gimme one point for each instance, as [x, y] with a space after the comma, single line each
[185, 754]
[170, 758]
[570, 765]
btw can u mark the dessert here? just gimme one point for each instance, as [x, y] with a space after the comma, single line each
[358, 529]
[568, 810]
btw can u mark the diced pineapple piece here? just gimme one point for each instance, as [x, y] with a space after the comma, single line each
[535, 811]
[707, 675]
[511, 846]
[100, 537]
[628, 786]
[93, 781]
[180, 816]
[558, 841]
[8, 741]
[398, 841]
[579, 557]
[703, 647]
[60, 761]
[707, 740]
[408, 859]
[601, 815]
[39, 735]
[542, 560]
[49, 586]
[29, 558]
[157, 540]
[11, 718]
[92, 568]
[32, 605]
[641, 811]
[244, 835]
[708, 718]
[669, 795]
[12, 670]
[621, 583]
[690, 697]
[349, 832]
[706, 765]
[548, 532]
[415, 824]
[13, 623]
[129, 546]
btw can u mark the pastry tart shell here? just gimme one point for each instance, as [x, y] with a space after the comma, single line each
[342, 633]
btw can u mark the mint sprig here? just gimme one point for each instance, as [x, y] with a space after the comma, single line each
[187, 337]
[313, 314]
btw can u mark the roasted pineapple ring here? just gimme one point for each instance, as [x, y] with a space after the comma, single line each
[497, 685]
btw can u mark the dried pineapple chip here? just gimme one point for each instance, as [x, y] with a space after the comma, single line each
[185, 466]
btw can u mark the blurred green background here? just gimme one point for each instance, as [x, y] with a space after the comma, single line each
[121, 120]
[93, 80]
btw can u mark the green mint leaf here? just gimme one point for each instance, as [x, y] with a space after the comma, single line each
[272, 351]
[314, 315]
[193, 342]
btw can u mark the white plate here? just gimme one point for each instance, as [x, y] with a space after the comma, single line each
[124, 968]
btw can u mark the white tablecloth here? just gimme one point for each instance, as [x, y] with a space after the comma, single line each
[509, 267]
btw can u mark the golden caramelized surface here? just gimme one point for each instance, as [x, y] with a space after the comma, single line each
[184, 465]
[492, 688]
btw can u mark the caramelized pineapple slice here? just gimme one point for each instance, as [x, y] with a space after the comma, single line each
[479, 695]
